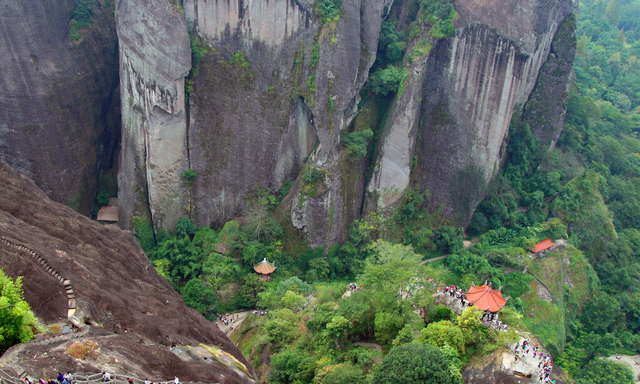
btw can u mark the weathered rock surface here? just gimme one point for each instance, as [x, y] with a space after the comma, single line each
[545, 110]
[155, 57]
[114, 284]
[59, 105]
[256, 122]
[472, 84]
[278, 85]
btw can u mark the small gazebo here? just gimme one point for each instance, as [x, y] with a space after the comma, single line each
[486, 298]
[264, 269]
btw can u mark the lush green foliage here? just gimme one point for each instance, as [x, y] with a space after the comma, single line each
[385, 81]
[604, 372]
[357, 143]
[189, 176]
[414, 363]
[17, 322]
[82, 17]
[328, 10]
[103, 198]
[440, 14]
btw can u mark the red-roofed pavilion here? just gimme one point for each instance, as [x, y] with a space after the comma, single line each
[541, 246]
[264, 269]
[486, 298]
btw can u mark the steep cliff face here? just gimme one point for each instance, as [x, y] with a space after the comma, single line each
[471, 85]
[545, 110]
[155, 57]
[114, 285]
[270, 99]
[59, 119]
[277, 84]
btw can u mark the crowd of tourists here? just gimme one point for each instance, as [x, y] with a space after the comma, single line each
[67, 378]
[258, 312]
[457, 293]
[545, 365]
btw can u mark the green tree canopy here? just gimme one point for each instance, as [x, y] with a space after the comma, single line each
[199, 296]
[600, 371]
[441, 333]
[415, 363]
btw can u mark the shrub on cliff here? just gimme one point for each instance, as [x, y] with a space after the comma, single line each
[385, 81]
[82, 17]
[328, 9]
[358, 142]
[17, 322]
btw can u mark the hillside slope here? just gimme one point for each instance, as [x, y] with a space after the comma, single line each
[114, 286]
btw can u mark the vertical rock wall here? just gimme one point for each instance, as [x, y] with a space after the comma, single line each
[265, 106]
[545, 110]
[59, 122]
[472, 83]
[155, 57]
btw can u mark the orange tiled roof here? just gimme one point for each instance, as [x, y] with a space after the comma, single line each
[541, 246]
[486, 298]
[264, 267]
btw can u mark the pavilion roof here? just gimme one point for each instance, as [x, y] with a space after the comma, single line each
[541, 246]
[108, 214]
[264, 267]
[486, 298]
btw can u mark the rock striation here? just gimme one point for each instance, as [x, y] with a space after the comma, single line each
[114, 285]
[59, 106]
[472, 84]
[275, 87]
[269, 102]
[155, 57]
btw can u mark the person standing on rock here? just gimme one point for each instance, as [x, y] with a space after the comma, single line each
[106, 376]
[176, 380]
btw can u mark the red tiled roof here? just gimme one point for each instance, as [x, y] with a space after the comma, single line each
[541, 246]
[486, 298]
[264, 267]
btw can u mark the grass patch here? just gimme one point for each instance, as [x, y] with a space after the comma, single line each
[83, 350]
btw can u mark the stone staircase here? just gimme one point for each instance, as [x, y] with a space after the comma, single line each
[72, 302]
[76, 378]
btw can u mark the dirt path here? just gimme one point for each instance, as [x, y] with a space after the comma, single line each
[369, 345]
[434, 259]
[238, 318]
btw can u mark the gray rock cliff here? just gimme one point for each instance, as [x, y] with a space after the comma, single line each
[270, 101]
[155, 57]
[472, 83]
[59, 103]
[276, 86]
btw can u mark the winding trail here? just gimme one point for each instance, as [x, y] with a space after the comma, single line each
[72, 303]
[236, 322]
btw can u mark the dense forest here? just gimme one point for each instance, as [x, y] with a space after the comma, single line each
[586, 191]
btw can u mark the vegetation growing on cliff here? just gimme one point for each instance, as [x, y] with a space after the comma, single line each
[82, 17]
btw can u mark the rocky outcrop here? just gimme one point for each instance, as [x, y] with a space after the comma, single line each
[59, 105]
[545, 110]
[277, 85]
[473, 82]
[114, 285]
[155, 57]
[271, 98]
